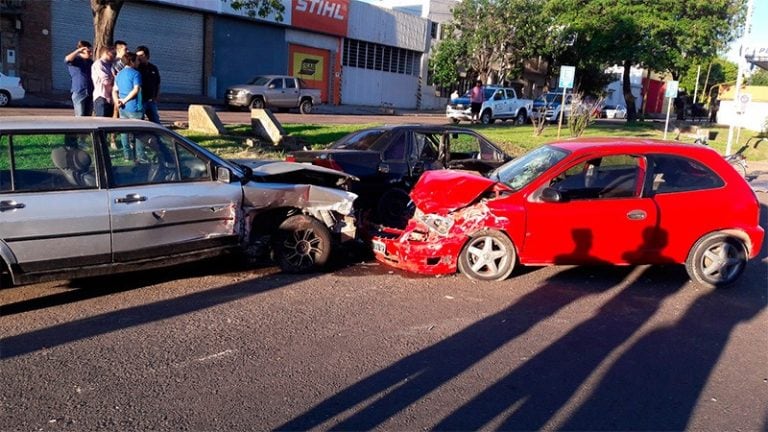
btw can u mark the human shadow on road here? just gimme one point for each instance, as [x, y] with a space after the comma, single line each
[91, 326]
[661, 377]
[101, 286]
[415, 376]
[536, 390]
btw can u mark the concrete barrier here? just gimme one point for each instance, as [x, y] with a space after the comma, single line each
[203, 118]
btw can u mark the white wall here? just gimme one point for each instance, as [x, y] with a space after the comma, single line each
[376, 88]
[753, 119]
[387, 27]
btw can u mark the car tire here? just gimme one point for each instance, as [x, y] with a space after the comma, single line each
[305, 107]
[488, 256]
[392, 209]
[716, 260]
[486, 117]
[455, 121]
[257, 103]
[302, 244]
[5, 98]
[521, 118]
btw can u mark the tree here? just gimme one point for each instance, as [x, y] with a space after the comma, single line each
[491, 39]
[105, 13]
[759, 78]
[664, 35]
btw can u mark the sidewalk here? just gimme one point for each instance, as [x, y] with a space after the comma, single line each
[172, 101]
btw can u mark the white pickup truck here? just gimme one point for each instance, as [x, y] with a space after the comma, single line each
[501, 103]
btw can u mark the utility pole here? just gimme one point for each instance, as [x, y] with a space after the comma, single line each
[740, 76]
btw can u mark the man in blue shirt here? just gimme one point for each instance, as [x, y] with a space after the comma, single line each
[79, 64]
[127, 96]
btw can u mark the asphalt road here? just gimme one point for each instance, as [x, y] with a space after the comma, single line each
[216, 347]
[213, 346]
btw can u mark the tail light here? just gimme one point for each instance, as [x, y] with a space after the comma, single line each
[290, 158]
[327, 163]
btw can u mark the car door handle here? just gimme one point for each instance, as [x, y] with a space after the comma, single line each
[131, 198]
[637, 215]
[11, 205]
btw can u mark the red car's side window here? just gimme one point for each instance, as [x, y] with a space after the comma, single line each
[615, 176]
[679, 174]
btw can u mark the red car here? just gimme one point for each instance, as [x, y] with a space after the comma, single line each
[583, 201]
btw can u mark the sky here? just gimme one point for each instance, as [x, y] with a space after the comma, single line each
[759, 35]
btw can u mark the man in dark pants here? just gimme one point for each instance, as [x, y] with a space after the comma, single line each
[150, 87]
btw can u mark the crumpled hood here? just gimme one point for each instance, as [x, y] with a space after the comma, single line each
[442, 191]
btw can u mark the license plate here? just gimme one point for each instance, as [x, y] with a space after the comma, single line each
[379, 247]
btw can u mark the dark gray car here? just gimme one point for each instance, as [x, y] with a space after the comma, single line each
[73, 203]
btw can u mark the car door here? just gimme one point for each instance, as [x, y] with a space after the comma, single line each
[171, 203]
[424, 153]
[53, 214]
[291, 98]
[601, 218]
[500, 108]
[275, 93]
[469, 151]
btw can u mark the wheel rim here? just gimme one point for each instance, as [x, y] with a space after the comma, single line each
[485, 118]
[258, 104]
[520, 119]
[487, 256]
[721, 262]
[3, 99]
[301, 248]
[307, 108]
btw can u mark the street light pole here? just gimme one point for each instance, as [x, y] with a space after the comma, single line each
[740, 76]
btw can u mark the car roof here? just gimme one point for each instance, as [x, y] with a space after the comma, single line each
[630, 145]
[38, 123]
[418, 126]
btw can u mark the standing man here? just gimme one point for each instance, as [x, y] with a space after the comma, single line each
[121, 47]
[127, 97]
[103, 81]
[476, 100]
[150, 84]
[79, 64]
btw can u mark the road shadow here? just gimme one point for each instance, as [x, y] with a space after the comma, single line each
[91, 326]
[102, 286]
[396, 387]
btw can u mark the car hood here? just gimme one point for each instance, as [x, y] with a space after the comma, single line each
[430, 195]
[292, 172]
[247, 87]
[460, 101]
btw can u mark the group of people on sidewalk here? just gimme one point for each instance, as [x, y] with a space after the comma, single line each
[119, 83]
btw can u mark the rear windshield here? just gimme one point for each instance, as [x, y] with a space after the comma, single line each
[362, 140]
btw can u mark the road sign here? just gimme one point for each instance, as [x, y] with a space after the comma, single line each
[671, 91]
[567, 73]
[741, 104]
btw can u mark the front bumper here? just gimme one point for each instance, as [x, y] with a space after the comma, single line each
[237, 99]
[414, 251]
[458, 113]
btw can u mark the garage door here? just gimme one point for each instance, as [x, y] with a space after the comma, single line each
[174, 37]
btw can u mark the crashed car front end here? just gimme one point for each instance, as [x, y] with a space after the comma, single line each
[434, 236]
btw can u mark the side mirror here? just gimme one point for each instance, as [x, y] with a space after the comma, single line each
[223, 174]
[271, 86]
[384, 168]
[552, 195]
[418, 168]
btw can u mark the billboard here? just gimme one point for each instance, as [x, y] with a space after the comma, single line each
[324, 16]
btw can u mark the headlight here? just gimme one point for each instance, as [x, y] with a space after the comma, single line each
[439, 224]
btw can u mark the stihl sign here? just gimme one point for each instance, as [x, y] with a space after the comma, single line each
[327, 16]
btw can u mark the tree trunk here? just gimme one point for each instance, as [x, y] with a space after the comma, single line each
[629, 98]
[105, 14]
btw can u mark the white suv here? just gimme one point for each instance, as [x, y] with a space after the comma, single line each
[10, 89]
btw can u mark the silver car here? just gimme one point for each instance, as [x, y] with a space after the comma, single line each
[89, 196]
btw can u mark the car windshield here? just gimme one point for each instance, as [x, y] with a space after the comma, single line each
[521, 171]
[552, 97]
[259, 81]
[361, 140]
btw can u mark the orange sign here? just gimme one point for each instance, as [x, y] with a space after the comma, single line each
[325, 16]
[311, 65]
